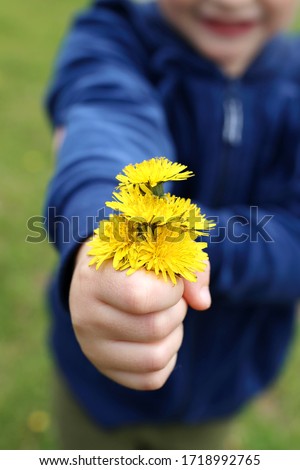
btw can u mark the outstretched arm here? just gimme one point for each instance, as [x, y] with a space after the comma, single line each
[110, 115]
[256, 257]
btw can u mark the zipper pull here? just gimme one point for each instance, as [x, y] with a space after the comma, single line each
[233, 121]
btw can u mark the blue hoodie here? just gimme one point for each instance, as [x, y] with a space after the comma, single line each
[126, 87]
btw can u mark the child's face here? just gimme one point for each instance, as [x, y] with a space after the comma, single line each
[229, 32]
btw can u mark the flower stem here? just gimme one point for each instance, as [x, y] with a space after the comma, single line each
[158, 190]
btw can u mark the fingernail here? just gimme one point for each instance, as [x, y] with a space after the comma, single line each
[205, 296]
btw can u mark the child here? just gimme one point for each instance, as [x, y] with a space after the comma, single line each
[214, 84]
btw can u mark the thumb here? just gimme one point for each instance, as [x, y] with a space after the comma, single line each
[197, 294]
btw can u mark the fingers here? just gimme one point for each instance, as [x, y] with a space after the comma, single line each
[131, 327]
[137, 365]
[140, 293]
[120, 326]
[197, 294]
[134, 357]
[147, 382]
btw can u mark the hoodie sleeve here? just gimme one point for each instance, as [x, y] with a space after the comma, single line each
[111, 115]
[255, 251]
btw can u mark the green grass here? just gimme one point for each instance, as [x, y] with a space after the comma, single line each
[30, 35]
[31, 32]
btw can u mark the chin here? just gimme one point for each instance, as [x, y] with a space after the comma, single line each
[233, 62]
[221, 53]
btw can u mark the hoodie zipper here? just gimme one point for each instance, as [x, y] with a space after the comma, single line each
[232, 136]
[233, 121]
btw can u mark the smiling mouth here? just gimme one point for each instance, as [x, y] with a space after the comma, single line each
[227, 29]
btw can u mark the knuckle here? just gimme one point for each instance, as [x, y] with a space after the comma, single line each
[157, 359]
[83, 320]
[180, 335]
[160, 325]
[83, 284]
[136, 298]
[159, 355]
[79, 320]
[96, 355]
[157, 326]
[78, 325]
[88, 350]
[153, 381]
[156, 380]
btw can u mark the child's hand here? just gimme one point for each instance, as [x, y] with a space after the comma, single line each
[131, 327]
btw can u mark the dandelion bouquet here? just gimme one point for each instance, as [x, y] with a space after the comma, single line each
[151, 229]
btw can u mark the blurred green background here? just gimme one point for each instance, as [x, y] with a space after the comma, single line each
[31, 32]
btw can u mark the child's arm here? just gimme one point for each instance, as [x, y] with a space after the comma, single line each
[111, 116]
[131, 328]
[259, 259]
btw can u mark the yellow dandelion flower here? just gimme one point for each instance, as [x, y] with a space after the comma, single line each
[153, 230]
[110, 241]
[154, 210]
[113, 240]
[38, 421]
[151, 173]
[167, 253]
[171, 257]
